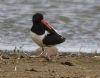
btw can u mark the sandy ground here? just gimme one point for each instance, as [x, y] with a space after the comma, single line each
[63, 66]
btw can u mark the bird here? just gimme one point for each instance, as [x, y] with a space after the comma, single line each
[43, 34]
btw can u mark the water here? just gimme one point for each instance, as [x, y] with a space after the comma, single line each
[77, 20]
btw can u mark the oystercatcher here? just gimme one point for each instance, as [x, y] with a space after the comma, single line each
[43, 34]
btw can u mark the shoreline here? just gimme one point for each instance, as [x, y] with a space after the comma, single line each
[61, 48]
[30, 49]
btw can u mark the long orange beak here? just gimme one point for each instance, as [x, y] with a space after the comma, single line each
[46, 24]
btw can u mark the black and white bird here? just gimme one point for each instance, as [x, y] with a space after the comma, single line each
[43, 34]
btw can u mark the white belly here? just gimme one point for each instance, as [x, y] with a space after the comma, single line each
[38, 39]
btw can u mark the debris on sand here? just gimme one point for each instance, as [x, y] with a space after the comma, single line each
[67, 63]
[97, 57]
[32, 69]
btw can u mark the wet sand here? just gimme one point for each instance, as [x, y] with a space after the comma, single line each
[66, 65]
